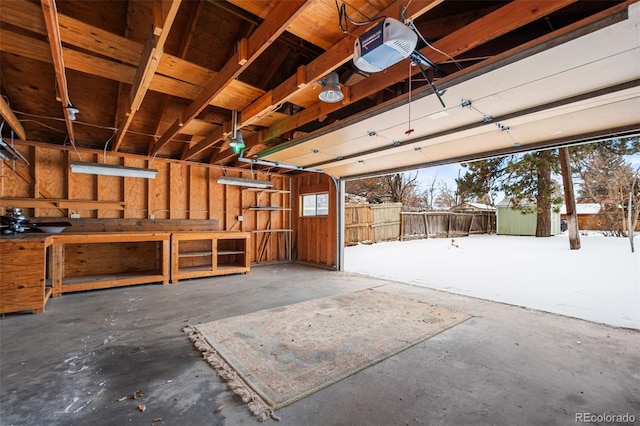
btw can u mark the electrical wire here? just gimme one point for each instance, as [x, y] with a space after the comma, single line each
[415, 29]
[344, 19]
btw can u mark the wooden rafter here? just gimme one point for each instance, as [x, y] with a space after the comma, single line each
[484, 29]
[265, 34]
[55, 43]
[11, 119]
[337, 55]
[164, 13]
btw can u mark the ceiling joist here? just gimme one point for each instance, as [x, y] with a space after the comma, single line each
[55, 44]
[164, 14]
[11, 119]
[265, 34]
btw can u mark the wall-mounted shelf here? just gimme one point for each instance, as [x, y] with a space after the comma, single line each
[269, 208]
[274, 191]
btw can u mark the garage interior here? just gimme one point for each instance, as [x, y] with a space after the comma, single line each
[219, 102]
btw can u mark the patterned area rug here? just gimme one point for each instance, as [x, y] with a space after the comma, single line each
[274, 357]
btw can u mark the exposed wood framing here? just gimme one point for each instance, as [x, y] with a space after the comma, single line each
[456, 43]
[11, 119]
[264, 35]
[163, 17]
[55, 44]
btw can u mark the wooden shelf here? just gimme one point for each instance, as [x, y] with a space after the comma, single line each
[269, 208]
[94, 282]
[91, 261]
[229, 254]
[275, 191]
[196, 254]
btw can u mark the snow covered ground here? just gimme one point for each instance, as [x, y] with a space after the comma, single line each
[599, 283]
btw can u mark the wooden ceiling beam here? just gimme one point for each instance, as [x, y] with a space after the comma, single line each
[184, 48]
[236, 94]
[11, 119]
[106, 44]
[215, 136]
[264, 36]
[334, 57]
[55, 43]
[495, 24]
[164, 14]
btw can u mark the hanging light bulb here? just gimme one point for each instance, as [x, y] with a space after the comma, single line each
[237, 143]
[72, 110]
[331, 91]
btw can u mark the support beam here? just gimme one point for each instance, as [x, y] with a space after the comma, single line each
[55, 43]
[263, 37]
[11, 119]
[569, 199]
[518, 13]
[334, 57]
[164, 13]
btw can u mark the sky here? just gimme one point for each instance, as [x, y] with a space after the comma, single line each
[598, 283]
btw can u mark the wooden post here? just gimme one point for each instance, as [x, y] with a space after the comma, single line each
[569, 200]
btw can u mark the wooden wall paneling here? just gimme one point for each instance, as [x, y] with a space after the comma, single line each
[111, 188]
[159, 191]
[17, 177]
[178, 191]
[53, 182]
[135, 191]
[82, 186]
[315, 237]
[233, 206]
[198, 191]
[217, 209]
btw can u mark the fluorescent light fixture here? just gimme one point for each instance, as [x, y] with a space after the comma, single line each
[112, 170]
[251, 183]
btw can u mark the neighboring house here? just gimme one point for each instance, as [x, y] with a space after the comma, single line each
[591, 216]
[588, 216]
[512, 221]
[473, 207]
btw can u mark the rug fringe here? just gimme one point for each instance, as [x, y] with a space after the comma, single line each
[261, 410]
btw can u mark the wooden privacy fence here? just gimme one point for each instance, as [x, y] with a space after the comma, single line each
[445, 224]
[370, 223]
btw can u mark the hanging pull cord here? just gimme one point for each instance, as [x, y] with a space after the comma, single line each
[410, 130]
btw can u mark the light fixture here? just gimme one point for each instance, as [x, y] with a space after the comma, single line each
[331, 91]
[72, 110]
[237, 143]
[251, 183]
[112, 170]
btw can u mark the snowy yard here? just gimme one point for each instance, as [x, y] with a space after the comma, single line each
[599, 283]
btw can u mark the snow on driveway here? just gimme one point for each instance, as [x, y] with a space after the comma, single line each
[599, 283]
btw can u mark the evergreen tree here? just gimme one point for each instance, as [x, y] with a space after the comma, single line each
[524, 179]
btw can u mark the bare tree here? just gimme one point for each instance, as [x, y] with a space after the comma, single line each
[395, 188]
[447, 196]
[402, 187]
[608, 179]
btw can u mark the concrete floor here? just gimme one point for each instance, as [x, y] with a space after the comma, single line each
[505, 366]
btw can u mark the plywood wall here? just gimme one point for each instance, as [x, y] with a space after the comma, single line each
[47, 188]
[315, 238]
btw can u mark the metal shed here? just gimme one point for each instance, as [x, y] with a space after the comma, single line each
[512, 221]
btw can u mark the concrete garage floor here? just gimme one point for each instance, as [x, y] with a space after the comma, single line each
[505, 366]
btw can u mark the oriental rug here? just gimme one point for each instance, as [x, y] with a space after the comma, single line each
[274, 357]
